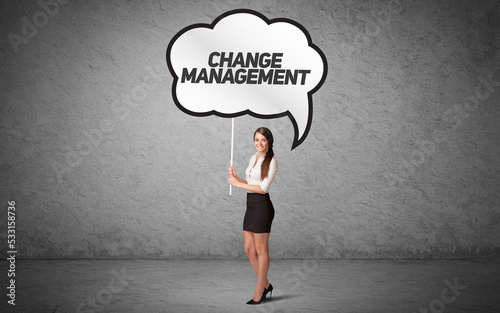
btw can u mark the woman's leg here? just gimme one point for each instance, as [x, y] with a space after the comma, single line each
[262, 249]
[250, 250]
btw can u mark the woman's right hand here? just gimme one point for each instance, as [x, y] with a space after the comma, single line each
[232, 172]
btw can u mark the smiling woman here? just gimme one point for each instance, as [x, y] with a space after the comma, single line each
[259, 215]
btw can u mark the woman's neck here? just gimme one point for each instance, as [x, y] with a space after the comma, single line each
[261, 154]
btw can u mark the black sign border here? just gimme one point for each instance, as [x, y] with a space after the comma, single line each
[296, 141]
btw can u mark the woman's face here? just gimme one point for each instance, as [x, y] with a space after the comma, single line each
[261, 143]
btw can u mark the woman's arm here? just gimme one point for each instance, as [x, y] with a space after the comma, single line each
[273, 169]
[241, 183]
[233, 173]
[244, 185]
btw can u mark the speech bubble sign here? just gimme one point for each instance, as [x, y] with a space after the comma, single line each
[244, 63]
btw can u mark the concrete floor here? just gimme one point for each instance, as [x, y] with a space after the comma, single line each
[225, 286]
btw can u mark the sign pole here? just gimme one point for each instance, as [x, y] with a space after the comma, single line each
[232, 148]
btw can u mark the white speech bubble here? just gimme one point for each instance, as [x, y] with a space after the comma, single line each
[244, 63]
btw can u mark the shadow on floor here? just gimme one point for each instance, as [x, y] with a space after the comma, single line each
[281, 297]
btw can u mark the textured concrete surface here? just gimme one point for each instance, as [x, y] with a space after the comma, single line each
[401, 159]
[300, 286]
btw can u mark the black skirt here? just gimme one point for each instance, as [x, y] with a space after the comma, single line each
[260, 213]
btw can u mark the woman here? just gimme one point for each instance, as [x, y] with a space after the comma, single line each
[259, 215]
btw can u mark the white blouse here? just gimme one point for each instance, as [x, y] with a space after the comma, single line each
[253, 172]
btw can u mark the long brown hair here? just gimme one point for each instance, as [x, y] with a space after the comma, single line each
[264, 169]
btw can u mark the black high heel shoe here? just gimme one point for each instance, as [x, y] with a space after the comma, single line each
[267, 290]
[262, 298]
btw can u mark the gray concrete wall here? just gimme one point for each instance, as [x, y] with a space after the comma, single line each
[401, 159]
